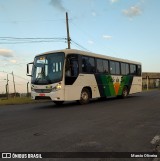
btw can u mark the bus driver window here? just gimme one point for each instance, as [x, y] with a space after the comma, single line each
[72, 68]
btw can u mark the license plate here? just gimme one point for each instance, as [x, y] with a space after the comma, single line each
[41, 94]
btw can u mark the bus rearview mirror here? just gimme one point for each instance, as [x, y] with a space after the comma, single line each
[28, 71]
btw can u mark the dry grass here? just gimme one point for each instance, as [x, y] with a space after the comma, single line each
[12, 101]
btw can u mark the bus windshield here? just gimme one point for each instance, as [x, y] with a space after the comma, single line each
[48, 69]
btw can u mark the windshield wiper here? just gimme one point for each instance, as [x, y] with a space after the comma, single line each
[48, 80]
[44, 79]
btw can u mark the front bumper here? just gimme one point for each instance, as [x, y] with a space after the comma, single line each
[55, 95]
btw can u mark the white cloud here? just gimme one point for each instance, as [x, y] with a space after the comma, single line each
[8, 62]
[132, 11]
[90, 42]
[114, 1]
[107, 37]
[6, 53]
[13, 61]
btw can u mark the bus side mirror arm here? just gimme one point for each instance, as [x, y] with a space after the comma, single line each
[28, 69]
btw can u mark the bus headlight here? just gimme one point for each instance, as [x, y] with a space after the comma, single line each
[57, 87]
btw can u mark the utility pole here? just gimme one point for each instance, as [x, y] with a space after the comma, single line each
[147, 77]
[68, 37]
[27, 90]
[7, 88]
[14, 85]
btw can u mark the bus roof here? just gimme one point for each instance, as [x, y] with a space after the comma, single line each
[75, 51]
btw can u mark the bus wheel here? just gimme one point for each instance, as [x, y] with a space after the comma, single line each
[58, 102]
[85, 96]
[125, 92]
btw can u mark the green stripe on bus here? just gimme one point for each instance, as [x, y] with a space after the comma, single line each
[125, 81]
[108, 87]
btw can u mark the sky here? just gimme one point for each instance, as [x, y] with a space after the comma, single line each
[127, 29]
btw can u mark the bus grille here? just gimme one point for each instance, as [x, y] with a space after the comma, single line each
[43, 90]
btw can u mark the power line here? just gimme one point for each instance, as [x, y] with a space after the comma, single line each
[14, 75]
[26, 21]
[11, 64]
[25, 42]
[79, 45]
[20, 40]
[20, 77]
[85, 33]
[31, 38]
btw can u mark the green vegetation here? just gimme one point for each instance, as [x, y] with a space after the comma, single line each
[18, 100]
[27, 100]
[151, 89]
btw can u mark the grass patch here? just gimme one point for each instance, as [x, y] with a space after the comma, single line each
[13, 101]
[151, 89]
[22, 100]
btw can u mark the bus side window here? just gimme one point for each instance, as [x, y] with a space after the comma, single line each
[124, 68]
[74, 67]
[88, 64]
[112, 67]
[71, 68]
[67, 68]
[84, 64]
[100, 66]
[105, 66]
[91, 65]
[133, 69]
[127, 69]
[139, 70]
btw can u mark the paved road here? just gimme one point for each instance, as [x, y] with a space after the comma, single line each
[113, 125]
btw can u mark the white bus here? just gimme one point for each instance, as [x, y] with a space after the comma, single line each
[69, 74]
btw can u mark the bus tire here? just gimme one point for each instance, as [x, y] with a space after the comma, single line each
[85, 96]
[124, 92]
[58, 102]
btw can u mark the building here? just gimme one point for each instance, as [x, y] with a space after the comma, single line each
[153, 80]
